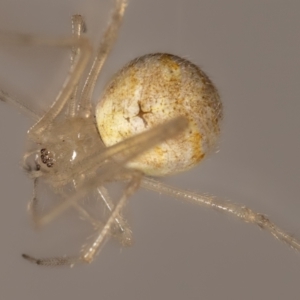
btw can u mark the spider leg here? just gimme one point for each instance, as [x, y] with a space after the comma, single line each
[243, 213]
[28, 111]
[86, 216]
[126, 234]
[89, 251]
[103, 50]
[81, 57]
[33, 209]
[78, 28]
[121, 153]
[122, 231]
[33, 203]
[81, 51]
[71, 81]
[68, 87]
[54, 261]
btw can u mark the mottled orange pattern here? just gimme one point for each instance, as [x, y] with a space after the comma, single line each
[151, 90]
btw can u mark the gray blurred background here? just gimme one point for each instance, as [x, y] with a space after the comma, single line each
[250, 49]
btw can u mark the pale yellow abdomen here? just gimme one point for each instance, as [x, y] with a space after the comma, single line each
[150, 90]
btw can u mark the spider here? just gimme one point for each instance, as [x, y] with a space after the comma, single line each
[159, 115]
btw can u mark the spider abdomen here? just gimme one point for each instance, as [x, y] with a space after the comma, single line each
[151, 90]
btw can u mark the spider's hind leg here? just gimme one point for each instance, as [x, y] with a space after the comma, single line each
[242, 212]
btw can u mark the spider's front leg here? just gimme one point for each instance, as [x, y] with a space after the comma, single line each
[20, 106]
[104, 48]
[78, 28]
[68, 87]
[89, 251]
[70, 82]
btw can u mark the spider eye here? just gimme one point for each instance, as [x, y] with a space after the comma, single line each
[47, 157]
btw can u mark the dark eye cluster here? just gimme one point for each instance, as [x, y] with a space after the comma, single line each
[47, 158]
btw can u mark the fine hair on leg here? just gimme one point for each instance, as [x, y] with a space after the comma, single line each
[242, 212]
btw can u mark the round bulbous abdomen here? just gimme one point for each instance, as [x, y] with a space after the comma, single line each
[150, 90]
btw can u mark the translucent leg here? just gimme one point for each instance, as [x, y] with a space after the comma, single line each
[244, 213]
[90, 251]
[86, 216]
[35, 215]
[70, 83]
[71, 80]
[105, 46]
[67, 88]
[123, 232]
[122, 152]
[78, 28]
[19, 105]
[32, 205]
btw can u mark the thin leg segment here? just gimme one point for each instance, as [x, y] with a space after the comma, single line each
[105, 46]
[90, 251]
[52, 262]
[243, 213]
[36, 215]
[5, 97]
[78, 28]
[71, 81]
[122, 230]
